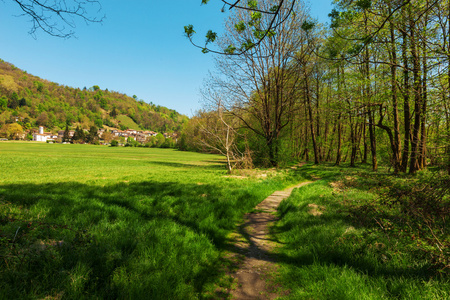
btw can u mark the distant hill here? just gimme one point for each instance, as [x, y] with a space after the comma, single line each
[32, 102]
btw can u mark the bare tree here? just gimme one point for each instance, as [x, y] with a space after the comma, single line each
[57, 18]
[262, 85]
[219, 133]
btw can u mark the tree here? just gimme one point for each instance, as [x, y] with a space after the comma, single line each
[113, 113]
[53, 17]
[78, 135]
[42, 119]
[66, 137]
[14, 131]
[107, 137]
[159, 140]
[218, 133]
[3, 103]
[276, 13]
[22, 102]
[92, 136]
[13, 101]
[260, 88]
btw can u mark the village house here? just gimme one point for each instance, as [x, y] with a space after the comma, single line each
[139, 135]
[61, 133]
[42, 136]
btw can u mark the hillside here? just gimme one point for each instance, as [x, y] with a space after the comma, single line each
[32, 101]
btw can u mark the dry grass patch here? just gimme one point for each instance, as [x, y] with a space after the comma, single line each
[316, 210]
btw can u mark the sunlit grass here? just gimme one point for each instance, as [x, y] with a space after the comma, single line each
[82, 221]
[329, 253]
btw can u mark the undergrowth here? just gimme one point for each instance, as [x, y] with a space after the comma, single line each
[354, 234]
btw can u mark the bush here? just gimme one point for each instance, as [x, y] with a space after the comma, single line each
[424, 207]
[114, 143]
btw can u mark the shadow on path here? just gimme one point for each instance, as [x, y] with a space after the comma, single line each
[256, 247]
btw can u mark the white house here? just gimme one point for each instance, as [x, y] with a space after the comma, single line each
[42, 136]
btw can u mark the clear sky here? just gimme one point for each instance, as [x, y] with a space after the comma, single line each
[139, 49]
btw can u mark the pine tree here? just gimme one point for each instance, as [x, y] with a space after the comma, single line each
[66, 137]
[92, 135]
[79, 135]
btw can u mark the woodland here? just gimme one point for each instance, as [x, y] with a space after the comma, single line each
[372, 87]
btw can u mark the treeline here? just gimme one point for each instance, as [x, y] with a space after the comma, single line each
[373, 87]
[31, 102]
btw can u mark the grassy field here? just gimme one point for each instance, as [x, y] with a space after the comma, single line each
[127, 122]
[84, 221]
[96, 222]
[341, 242]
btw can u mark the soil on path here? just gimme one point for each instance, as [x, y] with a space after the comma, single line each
[256, 246]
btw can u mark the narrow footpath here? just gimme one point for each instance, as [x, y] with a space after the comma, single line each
[257, 247]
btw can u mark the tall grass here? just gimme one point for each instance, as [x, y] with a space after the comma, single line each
[83, 221]
[330, 251]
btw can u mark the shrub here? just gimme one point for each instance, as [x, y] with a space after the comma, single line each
[114, 143]
[424, 207]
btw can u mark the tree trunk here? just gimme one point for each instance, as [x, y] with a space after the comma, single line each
[406, 107]
[311, 120]
[413, 163]
[396, 139]
[339, 150]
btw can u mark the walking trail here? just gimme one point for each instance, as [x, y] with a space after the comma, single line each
[257, 247]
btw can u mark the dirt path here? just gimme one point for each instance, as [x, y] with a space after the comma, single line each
[256, 246]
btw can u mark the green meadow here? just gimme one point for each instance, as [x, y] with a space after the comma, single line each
[96, 222]
[85, 221]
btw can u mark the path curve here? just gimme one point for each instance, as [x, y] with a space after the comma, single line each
[258, 260]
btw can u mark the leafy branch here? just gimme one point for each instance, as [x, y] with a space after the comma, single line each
[256, 12]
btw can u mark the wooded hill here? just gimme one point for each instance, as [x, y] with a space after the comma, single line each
[33, 102]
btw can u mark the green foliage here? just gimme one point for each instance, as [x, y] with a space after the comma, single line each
[114, 143]
[363, 4]
[308, 25]
[98, 123]
[256, 16]
[13, 102]
[274, 8]
[189, 30]
[252, 4]
[39, 86]
[79, 136]
[240, 26]
[66, 136]
[113, 113]
[92, 136]
[3, 103]
[131, 142]
[159, 140]
[210, 36]
[248, 44]
[230, 49]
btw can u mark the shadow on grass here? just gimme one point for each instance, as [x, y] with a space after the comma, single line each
[170, 234]
[147, 239]
[336, 240]
[211, 165]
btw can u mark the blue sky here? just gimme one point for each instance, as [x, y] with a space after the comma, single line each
[139, 49]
